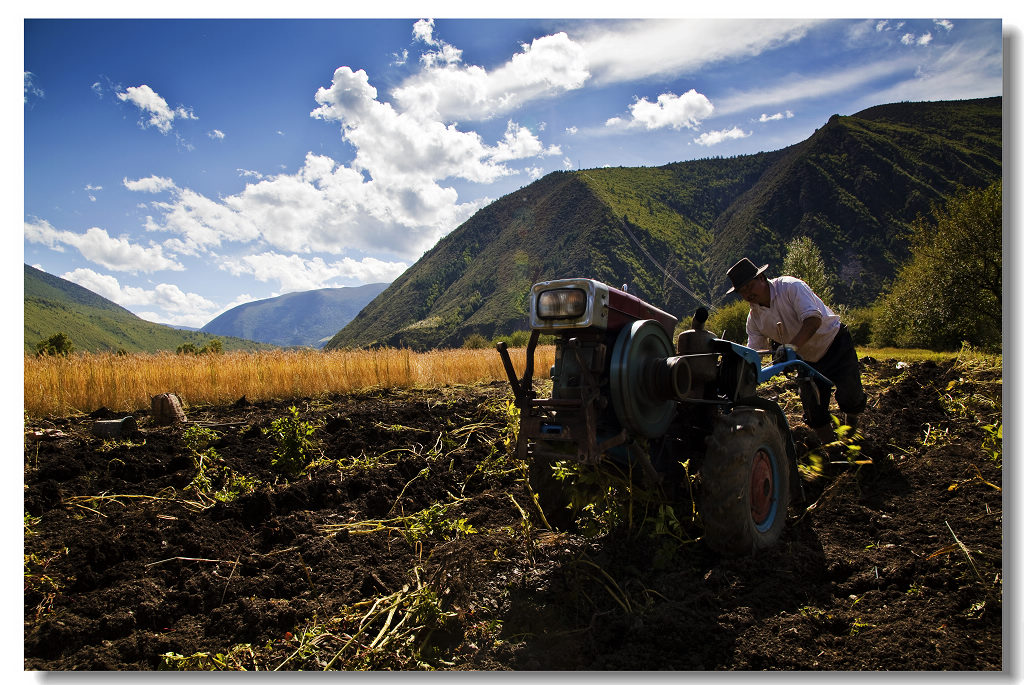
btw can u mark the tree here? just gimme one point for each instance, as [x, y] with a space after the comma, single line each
[56, 344]
[803, 260]
[950, 291]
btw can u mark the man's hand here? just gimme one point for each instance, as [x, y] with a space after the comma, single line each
[784, 353]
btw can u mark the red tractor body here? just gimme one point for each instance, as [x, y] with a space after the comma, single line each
[623, 392]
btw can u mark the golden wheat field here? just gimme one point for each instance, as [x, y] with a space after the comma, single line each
[57, 385]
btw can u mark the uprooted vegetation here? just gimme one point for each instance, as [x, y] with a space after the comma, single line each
[407, 540]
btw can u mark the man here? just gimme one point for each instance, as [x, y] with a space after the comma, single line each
[786, 310]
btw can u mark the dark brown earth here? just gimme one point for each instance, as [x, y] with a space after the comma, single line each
[128, 567]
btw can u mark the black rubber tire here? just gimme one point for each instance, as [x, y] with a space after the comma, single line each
[739, 518]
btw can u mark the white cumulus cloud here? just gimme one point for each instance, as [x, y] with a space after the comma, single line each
[670, 110]
[150, 184]
[447, 90]
[778, 116]
[520, 143]
[294, 273]
[715, 137]
[423, 30]
[96, 245]
[160, 114]
[178, 307]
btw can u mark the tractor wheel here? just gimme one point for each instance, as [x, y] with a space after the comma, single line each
[745, 483]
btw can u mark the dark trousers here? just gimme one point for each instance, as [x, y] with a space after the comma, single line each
[841, 366]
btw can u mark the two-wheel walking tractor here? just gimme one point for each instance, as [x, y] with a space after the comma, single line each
[621, 392]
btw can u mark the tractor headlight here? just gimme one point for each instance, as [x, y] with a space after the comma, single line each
[564, 303]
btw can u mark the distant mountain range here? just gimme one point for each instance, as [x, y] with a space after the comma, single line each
[308, 318]
[853, 187]
[94, 323]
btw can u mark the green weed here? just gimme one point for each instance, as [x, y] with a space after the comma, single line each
[295, 443]
[389, 632]
[993, 442]
[213, 480]
[41, 585]
[238, 658]
[434, 522]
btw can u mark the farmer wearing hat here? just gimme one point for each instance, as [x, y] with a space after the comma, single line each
[785, 310]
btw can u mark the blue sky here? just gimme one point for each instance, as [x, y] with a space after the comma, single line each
[183, 167]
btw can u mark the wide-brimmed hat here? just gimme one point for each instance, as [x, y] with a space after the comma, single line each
[742, 272]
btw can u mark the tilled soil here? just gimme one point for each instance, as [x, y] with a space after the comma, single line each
[412, 544]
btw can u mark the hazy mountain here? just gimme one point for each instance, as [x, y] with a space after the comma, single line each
[854, 186]
[94, 323]
[303, 318]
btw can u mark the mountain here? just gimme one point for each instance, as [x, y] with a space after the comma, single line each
[304, 318]
[95, 324]
[854, 187]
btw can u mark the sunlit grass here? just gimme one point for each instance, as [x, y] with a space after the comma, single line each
[86, 382]
[966, 354]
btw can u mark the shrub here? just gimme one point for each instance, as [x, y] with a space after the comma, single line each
[860, 321]
[215, 346]
[475, 341]
[58, 344]
[730, 322]
[951, 288]
[513, 339]
[295, 444]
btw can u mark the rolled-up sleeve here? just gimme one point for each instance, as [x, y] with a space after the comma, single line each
[805, 303]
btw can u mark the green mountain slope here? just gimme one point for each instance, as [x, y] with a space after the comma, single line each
[853, 186]
[95, 324]
[303, 318]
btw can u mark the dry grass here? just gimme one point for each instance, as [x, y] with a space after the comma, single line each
[85, 382]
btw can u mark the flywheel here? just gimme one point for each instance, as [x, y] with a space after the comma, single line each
[637, 352]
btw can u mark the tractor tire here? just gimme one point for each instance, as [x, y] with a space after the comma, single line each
[744, 483]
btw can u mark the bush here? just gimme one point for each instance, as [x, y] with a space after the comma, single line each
[295, 443]
[58, 344]
[860, 321]
[730, 322]
[513, 339]
[951, 288]
[215, 346]
[475, 341]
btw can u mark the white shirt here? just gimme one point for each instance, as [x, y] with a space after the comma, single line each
[792, 301]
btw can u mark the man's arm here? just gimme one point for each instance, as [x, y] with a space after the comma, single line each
[755, 339]
[807, 329]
